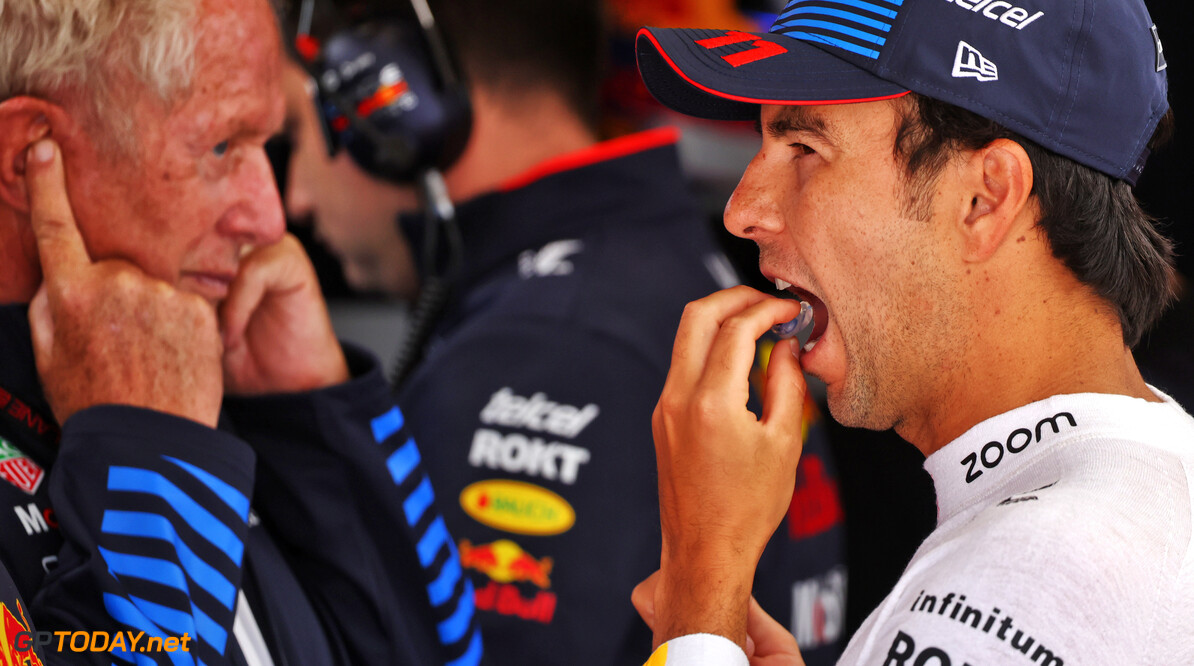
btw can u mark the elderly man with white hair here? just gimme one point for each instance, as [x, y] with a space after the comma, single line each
[188, 451]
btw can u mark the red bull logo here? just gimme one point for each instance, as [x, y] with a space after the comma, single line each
[506, 562]
[506, 599]
[12, 654]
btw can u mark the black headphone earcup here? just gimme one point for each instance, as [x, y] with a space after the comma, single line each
[382, 99]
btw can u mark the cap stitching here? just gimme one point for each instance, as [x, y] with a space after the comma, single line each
[1077, 78]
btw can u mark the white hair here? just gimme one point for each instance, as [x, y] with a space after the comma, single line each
[96, 48]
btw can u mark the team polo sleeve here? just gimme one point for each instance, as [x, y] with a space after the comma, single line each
[153, 510]
[341, 486]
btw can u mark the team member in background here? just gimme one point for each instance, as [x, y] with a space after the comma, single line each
[534, 397]
[149, 292]
[950, 185]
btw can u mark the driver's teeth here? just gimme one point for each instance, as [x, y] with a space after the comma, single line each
[808, 346]
[781, 285]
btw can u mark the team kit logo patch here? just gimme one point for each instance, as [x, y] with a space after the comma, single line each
[519, 583]
[13, 625]
[17, 469]
[514, 506]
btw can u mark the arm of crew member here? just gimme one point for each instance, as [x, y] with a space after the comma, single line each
[725, 476]
[341, 485]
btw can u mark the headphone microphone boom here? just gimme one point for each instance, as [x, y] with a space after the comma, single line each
[387, 91]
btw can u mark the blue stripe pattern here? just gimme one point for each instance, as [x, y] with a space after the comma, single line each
[453, 628]
[440, 589]
[416, 504]
[826, 25]
[403, 461]
[171, 620]
[210, 630]
[123, 611]
[849, 16]
[190, 569]
[234, 498]
[131, 479]
[403, 464]
[857, 4]
[145, 568]
[471, 656]
[857, 26]
[432, 540]
[841, 44]
[153, 526]
[387, 424]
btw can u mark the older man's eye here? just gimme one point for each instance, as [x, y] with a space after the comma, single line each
[221, 149]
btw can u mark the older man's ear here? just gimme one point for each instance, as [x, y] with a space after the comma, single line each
[23, 122]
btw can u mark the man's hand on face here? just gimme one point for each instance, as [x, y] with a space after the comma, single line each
[104, 332]
[277, 334]
[725, 476]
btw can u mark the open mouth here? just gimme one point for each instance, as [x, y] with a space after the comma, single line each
[820, 312]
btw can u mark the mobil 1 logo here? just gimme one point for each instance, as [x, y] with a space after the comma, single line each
[992, 453]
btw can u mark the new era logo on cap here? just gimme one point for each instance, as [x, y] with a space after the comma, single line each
[969, 62]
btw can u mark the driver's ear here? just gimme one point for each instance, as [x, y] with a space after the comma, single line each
[1001, 179]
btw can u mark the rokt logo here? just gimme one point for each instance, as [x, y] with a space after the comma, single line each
[530, 455]
[992, 452]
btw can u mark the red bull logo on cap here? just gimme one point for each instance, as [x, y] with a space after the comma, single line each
[506, 562]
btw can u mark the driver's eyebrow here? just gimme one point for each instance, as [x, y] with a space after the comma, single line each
[796, 118]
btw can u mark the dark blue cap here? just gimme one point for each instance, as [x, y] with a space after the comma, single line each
[1083, 78]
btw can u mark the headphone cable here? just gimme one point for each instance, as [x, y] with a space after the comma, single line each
[440, 220]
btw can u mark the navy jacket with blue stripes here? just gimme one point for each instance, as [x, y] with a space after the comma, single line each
[312, 508]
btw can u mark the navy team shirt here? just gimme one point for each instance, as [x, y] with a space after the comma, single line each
[533, 408]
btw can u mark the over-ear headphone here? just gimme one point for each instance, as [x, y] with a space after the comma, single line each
[388, 92]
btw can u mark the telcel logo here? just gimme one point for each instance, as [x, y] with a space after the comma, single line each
[1004, 12]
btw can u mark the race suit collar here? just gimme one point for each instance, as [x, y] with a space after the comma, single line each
[978, 465]
[601, 152]
[565, 197]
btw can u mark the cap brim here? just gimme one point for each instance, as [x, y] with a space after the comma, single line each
[727, 81]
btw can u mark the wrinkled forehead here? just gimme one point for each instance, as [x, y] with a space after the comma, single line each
[238, 66]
